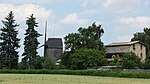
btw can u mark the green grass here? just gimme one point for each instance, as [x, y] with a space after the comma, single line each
[66, 79]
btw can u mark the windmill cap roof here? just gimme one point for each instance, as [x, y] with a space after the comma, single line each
[54, 43]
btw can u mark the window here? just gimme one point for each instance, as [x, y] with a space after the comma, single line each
[133, 46]
[141, 46]
[141, 56]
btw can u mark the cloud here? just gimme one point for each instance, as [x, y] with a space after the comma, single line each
[90, 11]
[99, 22]
[23, 11]
[86, 2]
[24, 1]
[124, 38]
[139, 21]
[146, 2]
[121, 5]
[74, 19]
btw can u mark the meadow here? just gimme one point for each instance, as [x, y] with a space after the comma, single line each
[66, 79]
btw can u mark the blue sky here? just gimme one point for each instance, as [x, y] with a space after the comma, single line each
[120, 18]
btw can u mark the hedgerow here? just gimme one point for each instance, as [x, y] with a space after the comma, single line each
[123, 74]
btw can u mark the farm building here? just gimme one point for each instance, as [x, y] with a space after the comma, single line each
[120, 48]
[53, 48]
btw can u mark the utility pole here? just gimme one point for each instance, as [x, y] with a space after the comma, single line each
[45, 39]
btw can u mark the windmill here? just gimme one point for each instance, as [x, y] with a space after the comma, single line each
[53, 47]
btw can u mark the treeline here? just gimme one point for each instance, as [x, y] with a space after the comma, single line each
[9, 43]
[85, 49]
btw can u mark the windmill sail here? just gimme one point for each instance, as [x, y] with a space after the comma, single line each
[45, 39]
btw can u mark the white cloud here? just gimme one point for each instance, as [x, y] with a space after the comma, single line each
[23, 11]
[74, 19]
[139, 21]
[121, 5]
[124, 38]
[99, 23]
[125, 20]
[24, 1]
[146, 2]
[90, 11]
[86, 2]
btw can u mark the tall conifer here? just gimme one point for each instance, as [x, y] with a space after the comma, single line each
[31, 43]
[9, 43]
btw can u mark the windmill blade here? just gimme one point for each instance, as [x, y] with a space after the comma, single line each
[41, 46]
[45, 39]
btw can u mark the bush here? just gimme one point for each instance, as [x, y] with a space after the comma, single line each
[85, 58]
[49, 64]
[131, 61]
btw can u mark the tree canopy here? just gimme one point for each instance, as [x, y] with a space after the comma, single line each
[89, 38]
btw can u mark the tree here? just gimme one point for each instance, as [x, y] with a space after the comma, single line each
[72, 41]
[65, 59]
[89, 38]
[31, 42]
[84, 58]
[86, 38]
[130, 61]
[9, 43]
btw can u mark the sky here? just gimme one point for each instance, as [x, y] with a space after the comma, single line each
[120, 19]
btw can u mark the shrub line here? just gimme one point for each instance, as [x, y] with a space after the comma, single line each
[123, 74]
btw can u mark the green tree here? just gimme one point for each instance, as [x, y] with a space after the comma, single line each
[91, 37]
[31, 42]
[130, 61]
[72, 41]
[65, 59]
[84, 58]
[85, 38]
[9, 43]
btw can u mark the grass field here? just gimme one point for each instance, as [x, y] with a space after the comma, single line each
[65, 79]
